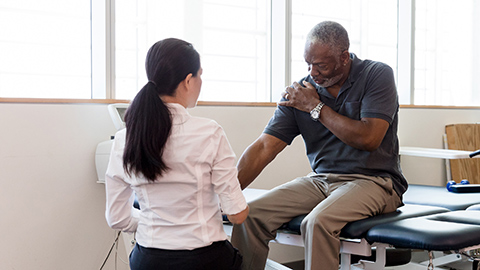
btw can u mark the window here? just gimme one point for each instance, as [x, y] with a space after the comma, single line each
[371, 26]
[446, 52]
[232, 38]
[45, 49]
[250, 49]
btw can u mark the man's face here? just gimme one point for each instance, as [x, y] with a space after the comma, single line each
[324, 65]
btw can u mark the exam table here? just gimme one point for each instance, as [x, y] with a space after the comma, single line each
[432, 219]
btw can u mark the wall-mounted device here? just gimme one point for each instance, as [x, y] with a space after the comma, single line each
[102, 153]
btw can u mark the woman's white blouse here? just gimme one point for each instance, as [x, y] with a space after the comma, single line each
[180, 210]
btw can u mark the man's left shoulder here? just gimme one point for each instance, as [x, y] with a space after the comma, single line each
[376, 65]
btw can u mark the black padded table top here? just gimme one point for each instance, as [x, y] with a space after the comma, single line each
[475, 207]
[359, 228]
[445, 231]
[439, 196]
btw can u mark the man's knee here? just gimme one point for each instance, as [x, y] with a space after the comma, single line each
[255, 210]
[321, 222]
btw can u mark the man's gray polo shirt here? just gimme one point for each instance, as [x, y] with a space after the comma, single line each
[370, 92]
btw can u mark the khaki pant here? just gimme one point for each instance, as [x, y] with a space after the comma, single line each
[332, 201]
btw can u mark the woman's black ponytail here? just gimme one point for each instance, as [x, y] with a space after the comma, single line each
[148, 120]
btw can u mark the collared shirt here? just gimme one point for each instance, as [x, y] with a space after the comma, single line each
[180, 210]
[369, 91]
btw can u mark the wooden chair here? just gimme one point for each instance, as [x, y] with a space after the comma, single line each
[463, 137]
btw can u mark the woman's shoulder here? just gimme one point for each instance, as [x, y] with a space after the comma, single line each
[206, 123]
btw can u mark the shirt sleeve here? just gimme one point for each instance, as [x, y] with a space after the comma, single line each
[225, 176]
[283, 124]
[381, 99]
[120, 213]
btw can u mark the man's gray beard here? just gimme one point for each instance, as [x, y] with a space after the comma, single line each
[331, 81]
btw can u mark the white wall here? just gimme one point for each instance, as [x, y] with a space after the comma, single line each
[52, 209]
[424, 127]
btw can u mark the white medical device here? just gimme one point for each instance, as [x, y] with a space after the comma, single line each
[102, 154]
[117, 112]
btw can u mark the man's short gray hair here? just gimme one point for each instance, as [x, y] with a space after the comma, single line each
[330, 33]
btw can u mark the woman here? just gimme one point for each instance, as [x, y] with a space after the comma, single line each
[180, 168]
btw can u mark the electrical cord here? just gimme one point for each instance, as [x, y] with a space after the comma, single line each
[110, 251]
[119, 257]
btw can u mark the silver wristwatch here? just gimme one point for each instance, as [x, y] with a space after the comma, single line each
[315, 113]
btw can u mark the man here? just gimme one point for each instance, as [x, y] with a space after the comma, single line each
[346, 111]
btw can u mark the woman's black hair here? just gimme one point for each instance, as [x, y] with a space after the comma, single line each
[148, 121]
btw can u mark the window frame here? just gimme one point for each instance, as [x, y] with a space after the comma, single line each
[103, 49]
[200, 103]
[103, 57]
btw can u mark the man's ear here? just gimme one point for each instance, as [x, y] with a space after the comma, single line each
[345, 56]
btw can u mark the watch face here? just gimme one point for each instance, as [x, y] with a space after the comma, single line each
[314, 114]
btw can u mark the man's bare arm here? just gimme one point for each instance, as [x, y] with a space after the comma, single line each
[364, 134]
[257, 156]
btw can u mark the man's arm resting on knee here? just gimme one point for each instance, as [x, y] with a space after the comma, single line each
[257, 156]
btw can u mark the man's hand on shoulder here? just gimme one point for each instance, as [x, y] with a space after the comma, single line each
[299, 97]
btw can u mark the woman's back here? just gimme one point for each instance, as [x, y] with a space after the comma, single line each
[180, 210]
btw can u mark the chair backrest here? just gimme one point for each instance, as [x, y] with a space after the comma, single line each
[464, 137]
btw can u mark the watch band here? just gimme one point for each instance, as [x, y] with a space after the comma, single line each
[315, 113]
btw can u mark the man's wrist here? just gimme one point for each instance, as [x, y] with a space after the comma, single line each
[315, 113]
